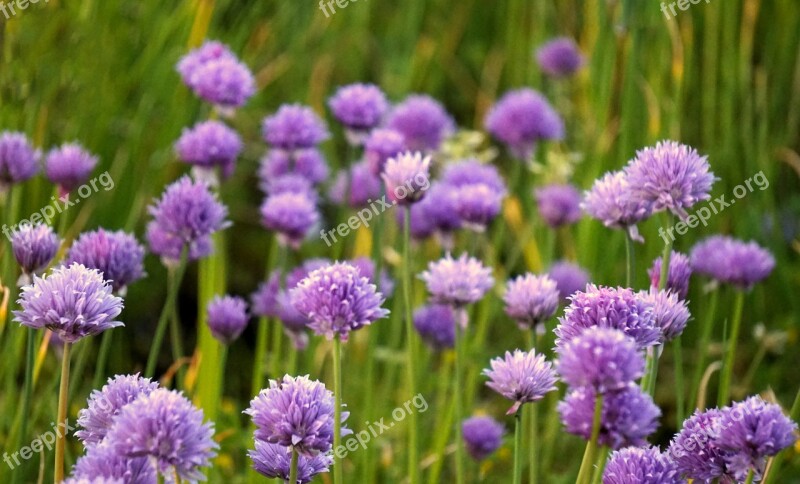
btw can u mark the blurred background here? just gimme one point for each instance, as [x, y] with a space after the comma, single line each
[722, 76]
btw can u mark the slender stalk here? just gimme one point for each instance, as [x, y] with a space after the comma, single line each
[26, 392]
[293, 468]
[730, 354]
[705, 339]
[411, 353]
[459, 402]
[600, 465]
[63, 392]
[630, 260]
[102, 359]
[651, 365]
[678, 352]
[337, 416]
[172, 296]
[176, 342]
[533, 422]
[750, 476]
[518, 447]
[585, 474]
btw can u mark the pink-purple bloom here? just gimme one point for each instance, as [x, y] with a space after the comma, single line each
[274, 461]
[407, 177]
[102, 465]
[210, 50]
[306, 162]
[569, 277]
[359, 107]
[457, 282]
[521, 377]
[732, 261]
[366, 267]
[423, 122]
[210, 145]
[19, 160]
[695, 449]
[73, 302]
[381, 145]
[225, 82]
[117, 255]
[641, 465]
[559, 57]
[670, 313]
[601, 358]
[34, 247]
[679, 272]
[227, 318]
[482, 436]
[610, 201]
[531, 299]
[436, 325]
[476, 190]
[69, 166]
[558, 204]
[291, 214]
[364, 187]
[522, 118]
[293, 127]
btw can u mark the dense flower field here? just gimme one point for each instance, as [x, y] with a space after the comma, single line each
[544, 260]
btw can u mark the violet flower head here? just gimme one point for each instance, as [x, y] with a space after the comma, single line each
[608, 307]
[407, 177]
[19, 160]
[670, 313]
[732, 261]
[117, 255]
[69, 166]
[72, 302]
[225, 82]
[521, 377]
[558, 204]
[34, 247]
[290, 183]
[482, 436]
[210, 145]
[477, 191]
[520, 119]
[337, 299]
[105, 404]
[164, 426]
[609, 201]
[423, 122]
[531, 299]
[186, 216]
[366, 267]
[695, 449]
[457, 282]
[210, 50]
[436, 325]
[364, 187]
[102, 465]
[296, 412]
[678, 276]
[381, 145]
[274, 461]
[628, 417]
[559, 57]
[227, 318]
[473, 172]
[569, 278]
[437, 213]
[359, 107]
[293, 127]
[670, 176]
[604, 359]
[750, 431]
[264, 301]
[306, 162]
[638, 465]
[292, 215]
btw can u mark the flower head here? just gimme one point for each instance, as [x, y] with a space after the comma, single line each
[293, 127]
[482, 436]
[531, 299]
[678, 276]
[669, 176]
[732, 261]
[117, 255]
[436, 325]
[359, 107]
[436, 213]
[559, 57]
[407, 177]
[610, 202]
[34, 247]
[364, 187]
[209, 145]
[638, 465]
[473, 172]
[308, 163]
[68, 166]
[291, 214]
[423, 122]
[477, 191]
[227, 318]
[102, 465]
[191, 62]
[19, 160]
[695, 449]
[224, 82]
[274, 461]
[73, 302]
[366, 267]
[381, 145]
[670, 313]
[337, 299]
[559, 204]
[601, 358]
[264, 301]
[522, 118]
[457, 282]
[570, 278]
[521, 377]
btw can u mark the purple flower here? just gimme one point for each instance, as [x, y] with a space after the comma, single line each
[290, 183]
[559, 204]
[187, 214]
[337, 299]
[166, 427]
[678, 276]
[750, 431]
[274, 461]
[68, 166]
[227, 318]
[292, 215]
[264, 300]
[477, 191]
[296, 412]
[457, 282]
[307, 162]
[627, 417]
[559, 57]
[610, 202]
[522, 118]
[364, 187]
[695, 449]
[381, 145]
[209, 145]
[359, 107]
[302, 271]
[102, 465]
[604, 359]
[117, 255]
[191, 62]
[407, 177]
[423, 122]
[293, 127]
[224, 82]
[34, 247]
[669, 176]
[569, 278]
[19, 160]
[531, 300]
[436, 325]
[732, 261]
[607, 307]
[105, 404]
[73, 302]
[367, 269]
[638, 465]
[482, 436]
[436, 213]
[473, 172]
[521, 377]
[670, 313]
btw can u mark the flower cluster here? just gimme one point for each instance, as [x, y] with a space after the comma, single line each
[521, 377]
[34, 247]
[117, 255]
[457, 282]
[19, 160]
[215, 75]
[731, 261]
[531, 300]
[522, 118]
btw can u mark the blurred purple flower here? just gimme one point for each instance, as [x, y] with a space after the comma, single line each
[306, 162]
[732, 261]
[569, 277]
[423, 122]
[521, 377]
[559, 57]
[34, 247]
[610, 202]
[19, 160]
[359, 107]
[457, 282]
[531, 300]
[678, 276]
[209, 145]
[367, 269]
[558, 204]
[436, 325]
[364, 187]
[293, 127]
[292, 215]
[224, 82]
[522, 118]
[407, 177]
[117, 255]
[227, 318]
[69, 166]
[482, 436]
[381, 145]
[191, 62]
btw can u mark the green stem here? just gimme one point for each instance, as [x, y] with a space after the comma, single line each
[533, 469]
[458, 397]
[630, 261]
[176, 342]
[27, 391]
[62, 415]
[730, 354]
[411, 353]
[337, 416]
[102, 359]
[293, 468]
[261, 350]
[750, 476]
[677, 348]
[705, 339]
[172, 296]
[518, 447]
[585, 474]
[600, 465]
